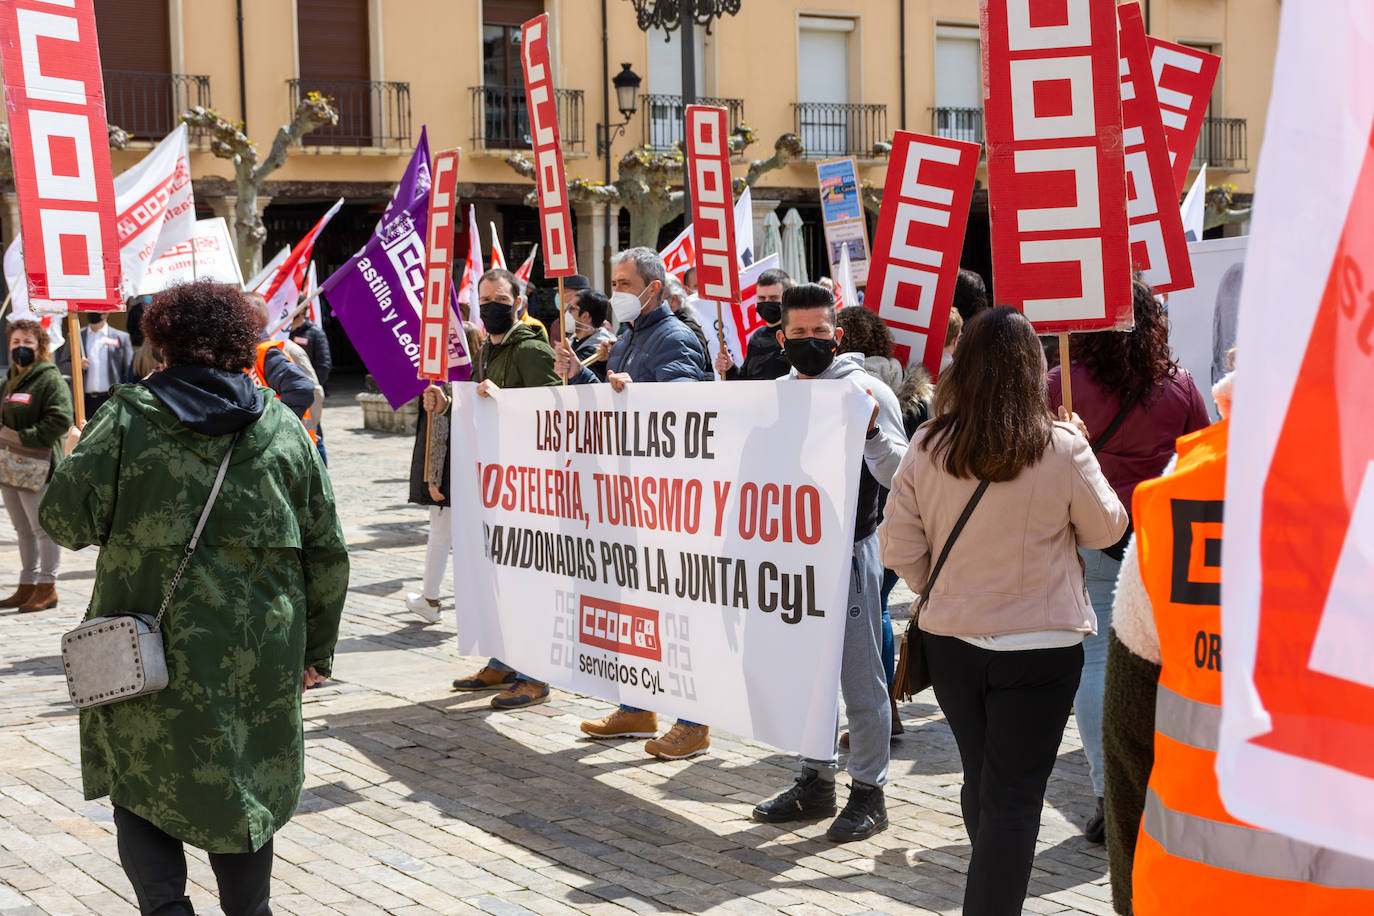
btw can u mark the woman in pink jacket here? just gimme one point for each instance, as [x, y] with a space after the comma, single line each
[1007, 614]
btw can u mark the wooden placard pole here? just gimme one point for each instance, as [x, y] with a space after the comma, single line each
[1065, 384]
[720, 327]
[78, 374]
[562, 320]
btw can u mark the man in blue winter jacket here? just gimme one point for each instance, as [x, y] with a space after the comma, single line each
[656, 348]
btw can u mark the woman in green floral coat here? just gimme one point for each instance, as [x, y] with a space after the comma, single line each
[217, 758]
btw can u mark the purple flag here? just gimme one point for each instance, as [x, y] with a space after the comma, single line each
[413, 185]
[377, 296]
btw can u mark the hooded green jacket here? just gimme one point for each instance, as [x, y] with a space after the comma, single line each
[523, 359]
[42, 413]
[217, 758]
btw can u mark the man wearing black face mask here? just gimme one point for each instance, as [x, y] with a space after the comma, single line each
[107, 360]
[810, 338]
[764, 359]
[515, 355]
[589, 309]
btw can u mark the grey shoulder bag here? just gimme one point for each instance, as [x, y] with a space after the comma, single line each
[113, 658]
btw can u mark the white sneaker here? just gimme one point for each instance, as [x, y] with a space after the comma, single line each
[427, 609]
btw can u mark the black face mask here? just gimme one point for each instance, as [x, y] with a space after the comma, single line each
[22, 356]
[95, 317]
[770, 312]
[498, 317]
[810, 355]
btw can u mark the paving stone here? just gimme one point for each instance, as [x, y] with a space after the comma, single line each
[421, 800]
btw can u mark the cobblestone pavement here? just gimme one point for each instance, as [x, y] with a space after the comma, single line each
[420, 800]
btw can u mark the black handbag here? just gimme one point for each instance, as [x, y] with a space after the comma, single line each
[913, 674]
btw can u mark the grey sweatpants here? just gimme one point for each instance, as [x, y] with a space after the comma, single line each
[38, 555]
[863, 684]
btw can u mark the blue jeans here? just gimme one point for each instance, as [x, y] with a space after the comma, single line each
[496, 664]
[1100, 573]
[890, 580]
[625, 708]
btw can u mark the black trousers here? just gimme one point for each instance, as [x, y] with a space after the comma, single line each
[1007, 711]
[156, 866]
[1128, 756]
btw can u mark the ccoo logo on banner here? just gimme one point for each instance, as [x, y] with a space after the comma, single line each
[55, 97]
[1056, 172]
[682, 548]
[555, 222]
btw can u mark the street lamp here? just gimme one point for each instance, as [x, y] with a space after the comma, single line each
[626, 84]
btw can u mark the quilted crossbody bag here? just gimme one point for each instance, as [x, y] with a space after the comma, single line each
[113, 658]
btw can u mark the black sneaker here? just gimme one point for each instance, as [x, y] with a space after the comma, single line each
[810, 798]
[864, 815]
[1095, 830]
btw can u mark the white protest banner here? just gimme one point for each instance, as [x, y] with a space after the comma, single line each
[738, 321]
[214, 260]
[1202, 320]
[155, 205]
[682, 548]
[1298, 547]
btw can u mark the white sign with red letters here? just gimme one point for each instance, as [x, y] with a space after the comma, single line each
[435, 310]
[1184, 78]
[1159, 248]
[713, 221]
[1056, 171]
[919, 239]
[555, 221]
[55, 99]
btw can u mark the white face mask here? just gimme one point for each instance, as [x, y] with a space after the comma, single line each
[626, 306]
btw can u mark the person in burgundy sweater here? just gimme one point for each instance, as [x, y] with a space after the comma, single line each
[1136, 400]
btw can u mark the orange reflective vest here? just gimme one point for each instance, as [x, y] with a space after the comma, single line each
[1191, 856]
[260, 376]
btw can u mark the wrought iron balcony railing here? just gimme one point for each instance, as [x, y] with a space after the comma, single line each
[1222, 144]
[829, 129]
[664, 116]
[371, 113]
[964, 124]
[500, 119]
[148, 106]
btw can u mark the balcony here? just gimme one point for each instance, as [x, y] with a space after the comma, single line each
[1222, 144]
[831, 129]
[964, 124]
[371, 113]
[149, 105]
[500, 119]
[664, 116]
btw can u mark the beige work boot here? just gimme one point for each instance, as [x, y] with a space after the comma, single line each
[623, 724]
[680, 741]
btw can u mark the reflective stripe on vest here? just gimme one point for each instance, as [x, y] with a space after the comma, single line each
[1191, 855]
[1248, 851]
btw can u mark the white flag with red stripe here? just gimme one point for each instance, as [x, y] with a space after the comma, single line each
[284, 291]
[522, 273]
[1296, 753]
[741, 320]
[498, 257]
[473, 269]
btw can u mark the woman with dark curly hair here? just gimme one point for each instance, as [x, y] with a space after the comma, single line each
[216, 759]
[1136, 400]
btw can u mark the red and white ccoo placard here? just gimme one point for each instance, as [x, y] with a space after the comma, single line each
[918, 242]
[55, 98]
[1184, 78]
[435, 310]
[555, 222]
[713, 220]
[1158, 246]
[1056, 171]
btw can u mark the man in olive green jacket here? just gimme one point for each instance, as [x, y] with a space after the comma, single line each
[514, 355]
[216, 759]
